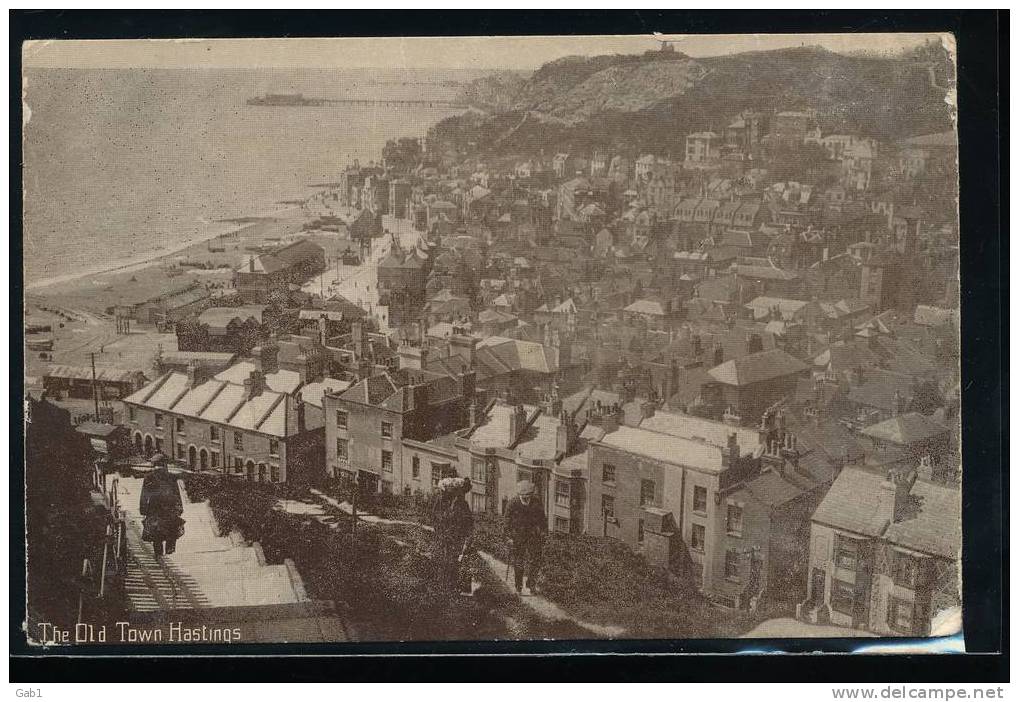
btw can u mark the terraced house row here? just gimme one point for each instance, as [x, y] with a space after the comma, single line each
[240, 421]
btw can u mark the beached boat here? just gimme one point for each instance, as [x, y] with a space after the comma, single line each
[39, 344]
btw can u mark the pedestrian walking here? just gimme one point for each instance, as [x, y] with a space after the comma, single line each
[454, 525]
[161, 507]
[525, 529]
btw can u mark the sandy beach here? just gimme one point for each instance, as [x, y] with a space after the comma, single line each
[217, 230]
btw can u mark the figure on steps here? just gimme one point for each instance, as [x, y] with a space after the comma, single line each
[161, 507]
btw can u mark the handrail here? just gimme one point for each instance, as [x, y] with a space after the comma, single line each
[86, 570]
[106, 551]
[113, 540]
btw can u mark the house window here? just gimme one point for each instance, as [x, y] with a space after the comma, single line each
[608, 473]
[415, 468]
[846, 552]
[640, 531]
[180, 425]
[905, 570]
[238, 441]
[387, 430]
[131, 414]
[435, 476]
[387, 461]
[479, 474]
[843, 596]
[238, 465]
[341, 419]
[159, 445]
[159, 420]
[734, 520]
[900, 615]
[477, 502]
[700, 499]
[697, 538]
[214, 433]
[523, 475]
[341, 449]
[608, 505]
[180, 450]
[647, 492]
[274, 473]
[387, 487]
[562, 493]
[274, 447]
[214, 459]
[562, 525]
[731, 565]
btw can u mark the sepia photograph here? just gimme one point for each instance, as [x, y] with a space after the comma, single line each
[492, 338]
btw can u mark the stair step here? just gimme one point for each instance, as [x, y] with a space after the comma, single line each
[206, 570]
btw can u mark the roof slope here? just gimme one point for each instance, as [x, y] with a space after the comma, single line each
[905, 429]
[665, 448]
[757, 367]
[932, 524]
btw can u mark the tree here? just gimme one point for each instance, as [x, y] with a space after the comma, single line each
[403, 154]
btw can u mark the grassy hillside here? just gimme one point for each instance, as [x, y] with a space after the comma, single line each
[652, 101]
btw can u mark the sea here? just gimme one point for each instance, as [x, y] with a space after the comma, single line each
[119, 163]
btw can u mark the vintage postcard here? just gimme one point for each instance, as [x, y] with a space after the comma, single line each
[492, 338]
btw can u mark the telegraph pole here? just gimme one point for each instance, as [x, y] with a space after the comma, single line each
[95, 386]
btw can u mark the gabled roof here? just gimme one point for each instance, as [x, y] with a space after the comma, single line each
[280, 381]
[771, 489]
[845, 357]
[853, 503]
[220, 402]
[515, 354]
[879, 389]
[757, 367]
[651, 307]
[905, 429]
[761, 306]
[930, 524]
[934, 526]
[283, 258]
[494, 430]
[495, 317]
[219, 318]
[312, 392]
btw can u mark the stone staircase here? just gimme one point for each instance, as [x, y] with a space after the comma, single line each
[214, 577]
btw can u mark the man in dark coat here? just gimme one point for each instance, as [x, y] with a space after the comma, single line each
[161, 507]
[526, 525]
[454, 524]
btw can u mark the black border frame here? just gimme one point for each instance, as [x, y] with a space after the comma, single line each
[982, 42]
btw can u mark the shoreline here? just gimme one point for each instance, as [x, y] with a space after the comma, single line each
[147, 259]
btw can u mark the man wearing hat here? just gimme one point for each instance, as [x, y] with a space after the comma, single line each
[526, 525]
[161, 507]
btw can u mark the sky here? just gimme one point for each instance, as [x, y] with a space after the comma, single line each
[479, 53]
